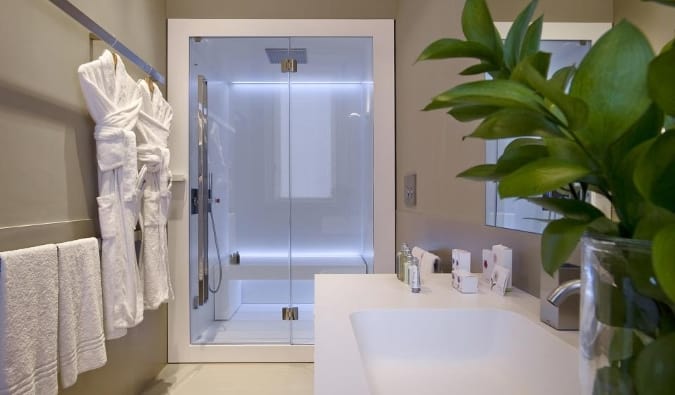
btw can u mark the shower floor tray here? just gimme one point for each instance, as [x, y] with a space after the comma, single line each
[261, 324]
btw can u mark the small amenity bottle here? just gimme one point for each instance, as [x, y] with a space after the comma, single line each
[400, 260]
[407, 258]
[414, 275]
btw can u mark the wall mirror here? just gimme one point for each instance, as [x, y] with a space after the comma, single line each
[568, 43]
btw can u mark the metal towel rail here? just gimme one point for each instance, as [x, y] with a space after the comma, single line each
[84, 20]
[24, 236]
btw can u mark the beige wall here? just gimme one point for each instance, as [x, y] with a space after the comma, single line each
[655, 20]
[47, 164]
[450, 212]
[555, 10]
[266, 9]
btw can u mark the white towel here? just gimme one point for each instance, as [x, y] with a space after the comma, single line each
[81, 339]
[418, 253]
[429, 262]
[28, 321]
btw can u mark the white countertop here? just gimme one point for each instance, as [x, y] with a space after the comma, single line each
[337, 364]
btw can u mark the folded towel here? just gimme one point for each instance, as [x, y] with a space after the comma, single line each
[430, 262]
[28, 321]
[418, 253]
[81, 339]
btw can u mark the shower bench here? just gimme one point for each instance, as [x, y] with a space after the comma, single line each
[301, 268]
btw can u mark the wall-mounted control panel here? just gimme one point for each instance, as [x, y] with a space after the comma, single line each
[410, 190]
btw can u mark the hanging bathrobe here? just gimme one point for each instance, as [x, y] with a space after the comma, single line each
[114, 101]
[152, 136]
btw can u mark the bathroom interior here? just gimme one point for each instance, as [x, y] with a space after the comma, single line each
[286, 199]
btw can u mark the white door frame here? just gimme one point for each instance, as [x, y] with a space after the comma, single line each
[179, 32]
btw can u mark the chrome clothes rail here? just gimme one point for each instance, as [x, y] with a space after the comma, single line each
[84, 20]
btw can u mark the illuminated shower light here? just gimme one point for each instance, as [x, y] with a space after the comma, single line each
[303, 254]
[302, 82]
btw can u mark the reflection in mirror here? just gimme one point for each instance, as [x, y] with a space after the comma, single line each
[519, 214]
[568, 43]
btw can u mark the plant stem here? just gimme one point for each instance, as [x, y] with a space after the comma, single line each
[573, 190]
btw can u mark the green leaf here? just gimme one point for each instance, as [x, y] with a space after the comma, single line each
[500, 93]
[559, 239]
[479, 69]
[624, 344]
[569, 208]
[480, 173]
[604, 226]
[515, 122]
[663, 253]
[654, 174]
[539, 61]
[611, 81]
[611, 380]
[519, 153]
[452, 48]
[562, 77]
[661, 80]
[652, 220]
[478, 26]
[647, 127]
[470, 112]
[514, 39]
[639, 265]
[532, 38]
[655, 367]
[627, 201]
[568, 150]
[575, 110]
[541, 176]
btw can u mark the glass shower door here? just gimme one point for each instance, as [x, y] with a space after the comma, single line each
[330, 166]
[247, 134]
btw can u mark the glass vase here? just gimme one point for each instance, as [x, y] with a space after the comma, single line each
[623, 310]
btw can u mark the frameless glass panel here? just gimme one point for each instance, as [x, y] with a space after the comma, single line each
[330, 166]
[247, 147]
[520, 214]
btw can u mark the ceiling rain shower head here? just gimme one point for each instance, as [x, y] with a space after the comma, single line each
[276, 55]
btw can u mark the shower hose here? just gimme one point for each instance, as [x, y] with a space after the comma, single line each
[220, 264]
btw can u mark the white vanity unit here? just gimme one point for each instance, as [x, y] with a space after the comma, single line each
[373, 336]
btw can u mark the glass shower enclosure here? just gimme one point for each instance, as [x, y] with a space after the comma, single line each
[281, 180]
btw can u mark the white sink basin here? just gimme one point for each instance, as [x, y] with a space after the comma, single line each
[462, 351]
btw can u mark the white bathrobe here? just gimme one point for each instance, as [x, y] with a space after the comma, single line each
[114, 101]
[152, 136]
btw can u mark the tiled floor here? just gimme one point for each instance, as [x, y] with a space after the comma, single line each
[235, 379]
[261, 323]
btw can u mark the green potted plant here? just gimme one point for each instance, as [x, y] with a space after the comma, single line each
[606, 127]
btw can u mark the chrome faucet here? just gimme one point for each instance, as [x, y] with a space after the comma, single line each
[563, 291]
[557, 309]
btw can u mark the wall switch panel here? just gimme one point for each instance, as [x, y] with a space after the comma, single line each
[410, 190]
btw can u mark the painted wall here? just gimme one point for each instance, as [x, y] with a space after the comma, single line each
[450, 212]
[655, 20]
[48, 166]
[266, 9]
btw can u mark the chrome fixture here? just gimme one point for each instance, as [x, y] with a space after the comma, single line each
[202, 191]
[563, 291]
[555, 309]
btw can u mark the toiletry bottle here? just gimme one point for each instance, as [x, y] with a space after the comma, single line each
[400, 256]
[406, 264]
[414, 275]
